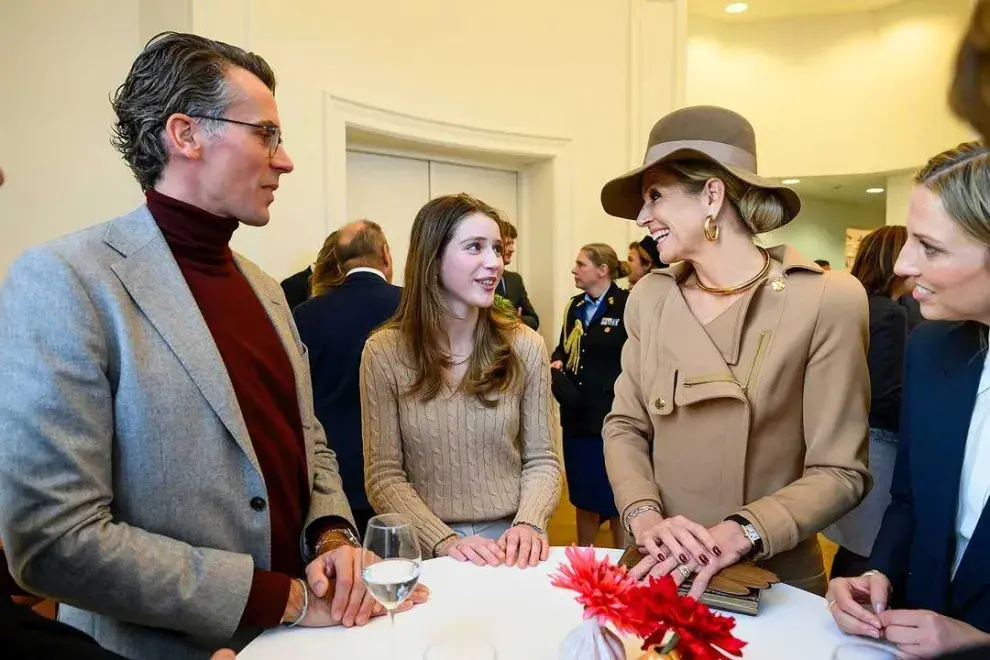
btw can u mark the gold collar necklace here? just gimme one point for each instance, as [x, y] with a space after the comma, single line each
[729, 290]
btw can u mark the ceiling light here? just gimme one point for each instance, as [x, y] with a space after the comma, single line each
[790, 182]
[874, 191]
[736, 8]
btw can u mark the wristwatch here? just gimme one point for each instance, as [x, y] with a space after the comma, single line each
[751, 533]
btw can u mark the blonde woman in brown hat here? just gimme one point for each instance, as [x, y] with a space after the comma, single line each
[739, 428]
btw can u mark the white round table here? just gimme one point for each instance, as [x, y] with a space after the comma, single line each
[525, 618]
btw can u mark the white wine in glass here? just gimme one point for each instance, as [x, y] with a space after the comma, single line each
[391, 560]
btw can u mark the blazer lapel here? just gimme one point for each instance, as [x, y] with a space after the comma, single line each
[153, 279]
[963, 365]
[271, 300]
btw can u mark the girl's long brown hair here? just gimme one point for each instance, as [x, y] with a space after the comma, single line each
[493, 366]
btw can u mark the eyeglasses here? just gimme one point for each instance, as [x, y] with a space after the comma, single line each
[273, 134]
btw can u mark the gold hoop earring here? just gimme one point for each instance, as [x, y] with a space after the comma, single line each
[711, 232]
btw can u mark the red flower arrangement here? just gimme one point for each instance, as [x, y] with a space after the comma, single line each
[651, 610]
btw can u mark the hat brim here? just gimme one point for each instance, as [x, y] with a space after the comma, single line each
[623, 196]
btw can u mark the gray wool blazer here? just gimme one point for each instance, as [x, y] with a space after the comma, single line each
[126, 469]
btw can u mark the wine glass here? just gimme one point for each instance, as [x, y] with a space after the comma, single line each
[391, 570]
[864, 651]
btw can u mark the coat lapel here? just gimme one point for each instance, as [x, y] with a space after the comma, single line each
[963, 365]
[153, 279]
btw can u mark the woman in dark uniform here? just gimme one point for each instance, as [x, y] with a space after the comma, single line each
[588, 361]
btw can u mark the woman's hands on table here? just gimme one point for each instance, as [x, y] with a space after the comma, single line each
[859, 607]
[857, 603]
[925, 634]
[476, 549]
[680, 547]
[524, 546]
[521, 545]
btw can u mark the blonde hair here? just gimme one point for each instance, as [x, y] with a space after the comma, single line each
[760, 209]
[961, 179]
[493, 366]
[327, 272]
[603, 255]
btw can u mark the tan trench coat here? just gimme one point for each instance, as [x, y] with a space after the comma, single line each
[783, 442]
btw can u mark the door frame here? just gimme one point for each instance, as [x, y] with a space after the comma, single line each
[544, 165]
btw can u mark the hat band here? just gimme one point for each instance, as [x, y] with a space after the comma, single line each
[723, 153]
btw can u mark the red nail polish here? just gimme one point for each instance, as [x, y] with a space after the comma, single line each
[703, 559]
[717, 550]
[683, 559]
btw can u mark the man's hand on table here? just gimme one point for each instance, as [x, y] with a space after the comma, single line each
[337, 594]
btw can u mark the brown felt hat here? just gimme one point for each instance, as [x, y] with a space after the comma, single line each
[697, 133]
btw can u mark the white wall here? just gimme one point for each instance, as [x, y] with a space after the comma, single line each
[513, 66]
[840, 94]
[899, 187]
[60, 62]
[819, 231]
[557, 68]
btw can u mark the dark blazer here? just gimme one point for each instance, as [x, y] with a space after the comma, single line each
[512, 288]
[601, 355]
[916, 544]
[296, 287]
[335, 326]
[888, 335]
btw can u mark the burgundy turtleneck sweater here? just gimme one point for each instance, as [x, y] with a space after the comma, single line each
[263, 381]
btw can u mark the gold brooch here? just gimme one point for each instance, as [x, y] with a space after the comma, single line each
[778, 284]
[611, 300]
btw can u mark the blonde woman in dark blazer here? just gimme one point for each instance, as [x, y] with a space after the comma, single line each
[739, 428]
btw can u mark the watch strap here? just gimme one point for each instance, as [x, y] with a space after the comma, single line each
[753, 534]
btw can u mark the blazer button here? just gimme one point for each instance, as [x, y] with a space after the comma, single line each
[660, 403]
[258, 503]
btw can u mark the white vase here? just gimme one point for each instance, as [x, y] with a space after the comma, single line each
[590, 641]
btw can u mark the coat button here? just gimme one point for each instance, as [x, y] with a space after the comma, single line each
[258, 503]
[660, 404]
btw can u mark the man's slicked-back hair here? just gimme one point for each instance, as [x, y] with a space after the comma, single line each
[175, 73]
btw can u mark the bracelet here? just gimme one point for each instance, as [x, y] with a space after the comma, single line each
[870, 572]
[336, 538]
[440, 543]
[305, 607]
[538, 530]
[638, 510]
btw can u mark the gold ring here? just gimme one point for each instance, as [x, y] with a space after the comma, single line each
[684, 571]
[829, 604]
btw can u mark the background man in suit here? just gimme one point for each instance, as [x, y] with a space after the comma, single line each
[161, 472]
[357, 267]
[296, 287]
[511, 287]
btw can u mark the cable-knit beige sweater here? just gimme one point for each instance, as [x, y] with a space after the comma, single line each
[452, 460]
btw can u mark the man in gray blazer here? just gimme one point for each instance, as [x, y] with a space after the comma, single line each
[162, 472]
